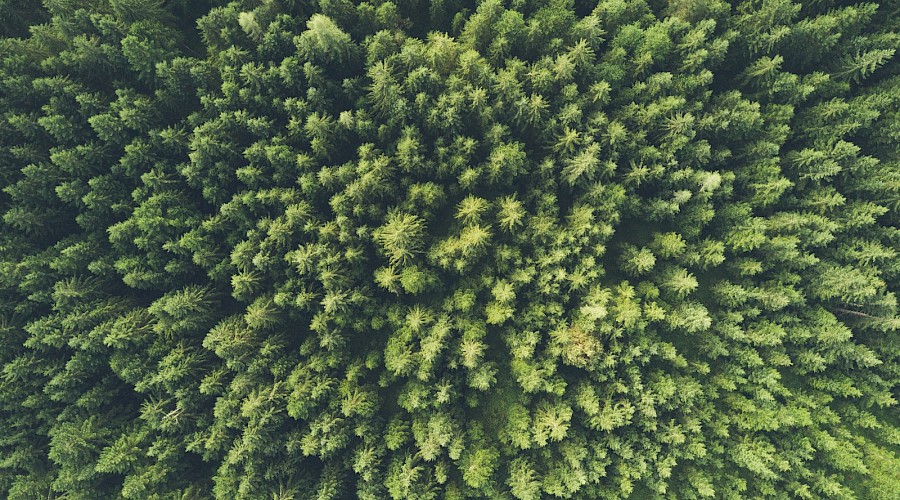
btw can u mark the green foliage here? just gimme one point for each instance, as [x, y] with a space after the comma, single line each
[532, 249]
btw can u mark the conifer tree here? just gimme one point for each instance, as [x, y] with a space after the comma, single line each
[533, 249]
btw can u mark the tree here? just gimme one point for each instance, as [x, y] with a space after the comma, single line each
[401, 237]
[434, 250]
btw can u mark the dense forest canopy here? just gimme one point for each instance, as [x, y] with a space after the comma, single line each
[506, 249]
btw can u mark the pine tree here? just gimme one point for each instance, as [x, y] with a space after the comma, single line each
[441, 250]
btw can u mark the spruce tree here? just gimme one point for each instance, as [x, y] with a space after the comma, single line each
[531, 249]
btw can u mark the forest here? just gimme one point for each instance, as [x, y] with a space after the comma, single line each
[449, 249]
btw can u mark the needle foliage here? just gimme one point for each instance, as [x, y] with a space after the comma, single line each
[411, 249]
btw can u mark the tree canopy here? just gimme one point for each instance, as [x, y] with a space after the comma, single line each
[507, 249]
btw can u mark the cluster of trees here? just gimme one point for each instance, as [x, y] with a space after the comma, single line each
[452, 249]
